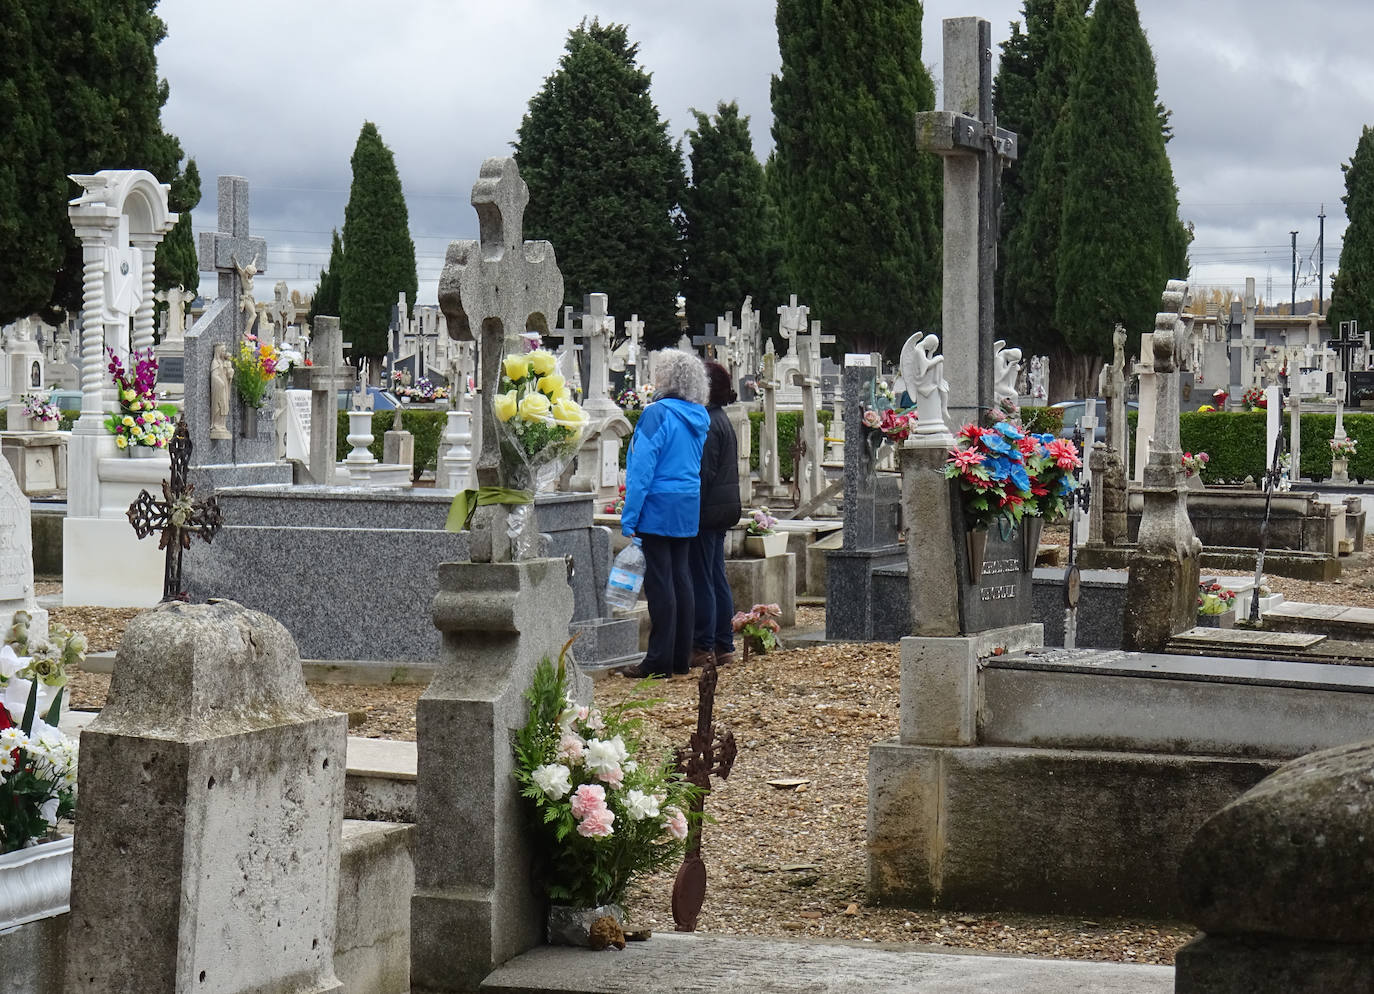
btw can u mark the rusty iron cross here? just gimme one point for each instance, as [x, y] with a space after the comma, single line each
[178, 516]
[710, 752]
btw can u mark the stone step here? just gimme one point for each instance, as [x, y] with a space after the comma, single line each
[1334, 620]
[707, 964]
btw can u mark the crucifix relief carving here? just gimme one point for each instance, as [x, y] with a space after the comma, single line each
[491, 291]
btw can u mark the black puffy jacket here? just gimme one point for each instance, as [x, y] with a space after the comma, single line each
[720, 504]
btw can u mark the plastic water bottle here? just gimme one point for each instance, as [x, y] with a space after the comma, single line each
[627, 578]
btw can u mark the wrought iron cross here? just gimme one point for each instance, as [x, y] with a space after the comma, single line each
[710, 752]
[178, 516]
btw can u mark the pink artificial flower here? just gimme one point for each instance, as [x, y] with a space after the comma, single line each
[597, 823]
[675, 822]
[872, 419]
[588, 798]
[964, 458]
[1062, 451]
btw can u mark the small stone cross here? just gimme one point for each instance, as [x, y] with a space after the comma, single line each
[230, 248]
[178, 516]
[492, 290]
[710, 752]
[710, 341]
[1346, 345]
[598, 328]
[792, 318]
[634, 330]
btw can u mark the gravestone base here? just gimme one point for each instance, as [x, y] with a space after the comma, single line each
[1266, 964]
[38, 458]
[851, 584]
[1161, 600]
[105, 565]
[606, 643]
[476, 903]
[765, 581]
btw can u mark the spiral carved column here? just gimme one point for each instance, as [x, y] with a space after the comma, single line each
[92, 327]
[142, 339]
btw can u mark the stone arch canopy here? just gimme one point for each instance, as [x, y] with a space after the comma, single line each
[136, 193]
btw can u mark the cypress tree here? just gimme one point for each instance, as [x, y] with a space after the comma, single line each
[380, 261]
[605, 180]
[326, 297]
[1029, 265]
[728, 220]
[1352, 296]
[859, 202]
[1120, 236]
[178, 263]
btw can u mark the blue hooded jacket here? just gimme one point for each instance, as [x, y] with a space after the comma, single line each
[663, 470]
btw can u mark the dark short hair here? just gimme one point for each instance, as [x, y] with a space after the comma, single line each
[720, 393]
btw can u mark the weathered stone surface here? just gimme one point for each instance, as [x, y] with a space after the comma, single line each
[1292, 857]
[1227, 964]
[211, 813]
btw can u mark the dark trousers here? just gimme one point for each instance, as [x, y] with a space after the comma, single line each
[672, 606]
[715, 604]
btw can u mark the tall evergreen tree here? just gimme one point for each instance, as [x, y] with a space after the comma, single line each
[1120, 237]
[1030, 258]
[326, 296]
[859, 202]
[1352, 296]
[605, 180]
[380, 261]
[178, 262]
[728, 219]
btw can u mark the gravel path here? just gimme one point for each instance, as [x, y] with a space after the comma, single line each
[790, 861]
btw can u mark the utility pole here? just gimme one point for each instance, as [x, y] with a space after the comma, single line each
[1293, 306]
[1321, 263]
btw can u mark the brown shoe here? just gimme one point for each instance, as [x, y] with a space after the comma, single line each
[724, 659]
[700, 657]
[638, 672]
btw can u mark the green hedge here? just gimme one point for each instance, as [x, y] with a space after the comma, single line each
[1041, 419]
[1234, 442]
[426, 426]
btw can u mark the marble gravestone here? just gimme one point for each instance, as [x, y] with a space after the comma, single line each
[231, 252]
[16, 557]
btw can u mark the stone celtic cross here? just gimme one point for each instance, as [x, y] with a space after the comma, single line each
[179, 516]
[491, 291]
[974, 150]
[710, 752]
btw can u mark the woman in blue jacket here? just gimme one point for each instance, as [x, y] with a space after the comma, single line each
[663, 504]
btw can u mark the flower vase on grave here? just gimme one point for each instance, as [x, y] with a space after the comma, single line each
[1226, 619]
[141, 451]
[975, 545]
[1031, 528]
[248, 424]
[766, 546]
[572, 926]
[1340, 470]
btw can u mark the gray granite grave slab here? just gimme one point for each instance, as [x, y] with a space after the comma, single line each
[351, 573]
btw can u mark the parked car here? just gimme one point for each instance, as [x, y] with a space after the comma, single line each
[1073, 413]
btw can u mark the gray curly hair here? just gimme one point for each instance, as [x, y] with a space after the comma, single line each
[679, 374]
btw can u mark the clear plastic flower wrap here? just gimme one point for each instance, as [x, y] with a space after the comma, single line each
[541, 427]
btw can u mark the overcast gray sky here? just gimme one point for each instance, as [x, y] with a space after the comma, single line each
[1267, 104]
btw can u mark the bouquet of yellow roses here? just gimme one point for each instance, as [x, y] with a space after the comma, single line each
[541, 425]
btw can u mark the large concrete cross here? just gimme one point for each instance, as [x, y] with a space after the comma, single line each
[221, 250]
[598, 328]
[974, 150]
[634, 330]
[493, 289]
[792, 318]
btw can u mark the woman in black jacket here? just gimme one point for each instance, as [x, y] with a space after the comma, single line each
[720, 511]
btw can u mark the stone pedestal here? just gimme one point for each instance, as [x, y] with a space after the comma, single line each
[211, 812]
[1281, 881]
[476, 904]
[931, 566]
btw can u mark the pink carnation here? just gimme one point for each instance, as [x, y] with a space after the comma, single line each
[570, 748]
[614, 777]
[597, 823]
[588, 798]
[675, 822]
